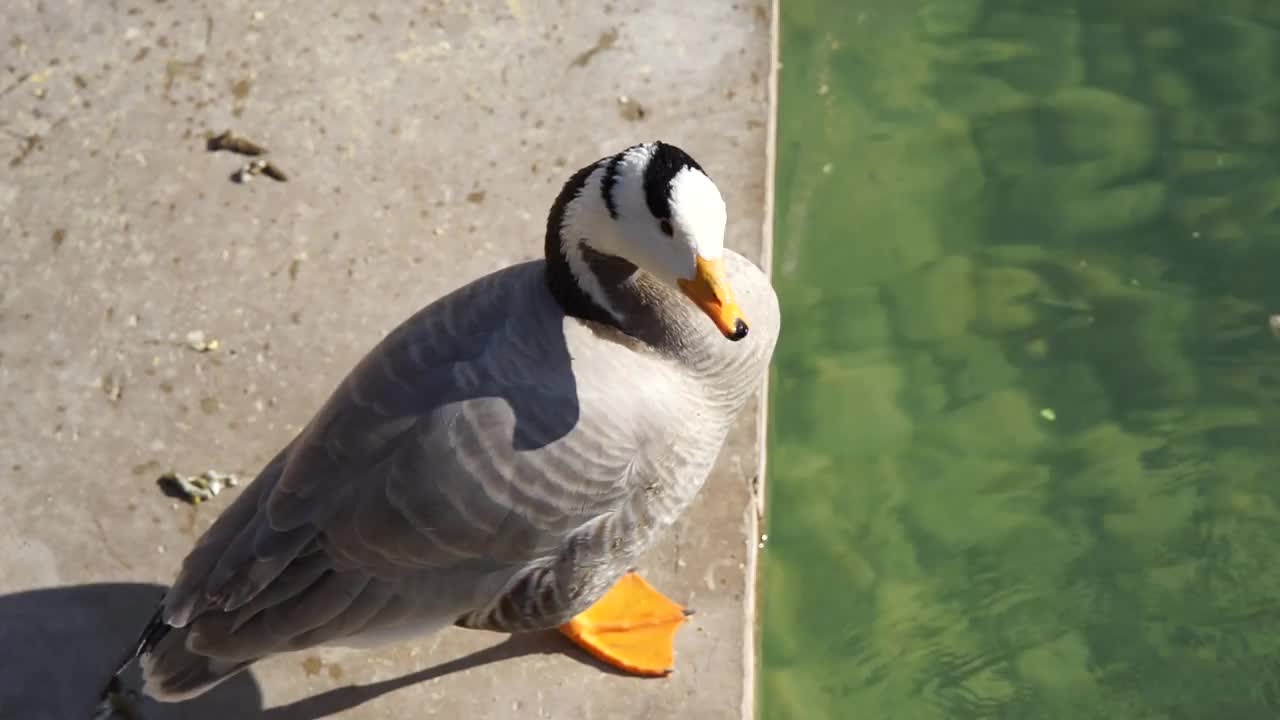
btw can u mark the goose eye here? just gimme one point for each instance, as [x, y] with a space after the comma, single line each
[665, 226]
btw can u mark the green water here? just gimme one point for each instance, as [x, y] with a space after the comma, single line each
[1024, 459]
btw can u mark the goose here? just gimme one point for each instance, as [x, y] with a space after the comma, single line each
[503, 458]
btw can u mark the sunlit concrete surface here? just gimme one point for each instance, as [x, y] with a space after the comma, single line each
[423, 143]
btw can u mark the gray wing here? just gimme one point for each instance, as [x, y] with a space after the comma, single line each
[452, 453]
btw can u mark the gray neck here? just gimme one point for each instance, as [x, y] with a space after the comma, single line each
[664, 320]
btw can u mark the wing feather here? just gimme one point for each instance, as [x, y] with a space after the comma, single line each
[450, 459]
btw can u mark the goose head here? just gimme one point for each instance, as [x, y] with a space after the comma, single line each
[650, 208]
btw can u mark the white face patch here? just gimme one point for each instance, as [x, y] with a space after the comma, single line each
[697, 219]
[698, 212]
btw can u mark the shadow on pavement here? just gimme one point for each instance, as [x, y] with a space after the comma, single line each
[58, 647]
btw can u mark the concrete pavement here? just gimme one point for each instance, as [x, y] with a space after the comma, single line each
[424, 143]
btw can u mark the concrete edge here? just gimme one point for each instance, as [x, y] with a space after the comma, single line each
[756, 522]
[766, 232]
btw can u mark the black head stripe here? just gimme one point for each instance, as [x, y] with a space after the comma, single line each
[667, 161]
[610, 180]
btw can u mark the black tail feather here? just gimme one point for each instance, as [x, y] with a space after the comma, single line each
[154, 632]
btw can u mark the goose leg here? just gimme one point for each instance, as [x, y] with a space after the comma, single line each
[632, 627]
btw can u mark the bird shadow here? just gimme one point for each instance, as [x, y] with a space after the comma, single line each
[58, 647]
[344, 698]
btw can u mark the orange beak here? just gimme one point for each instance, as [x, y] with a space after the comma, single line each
[709, 290]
